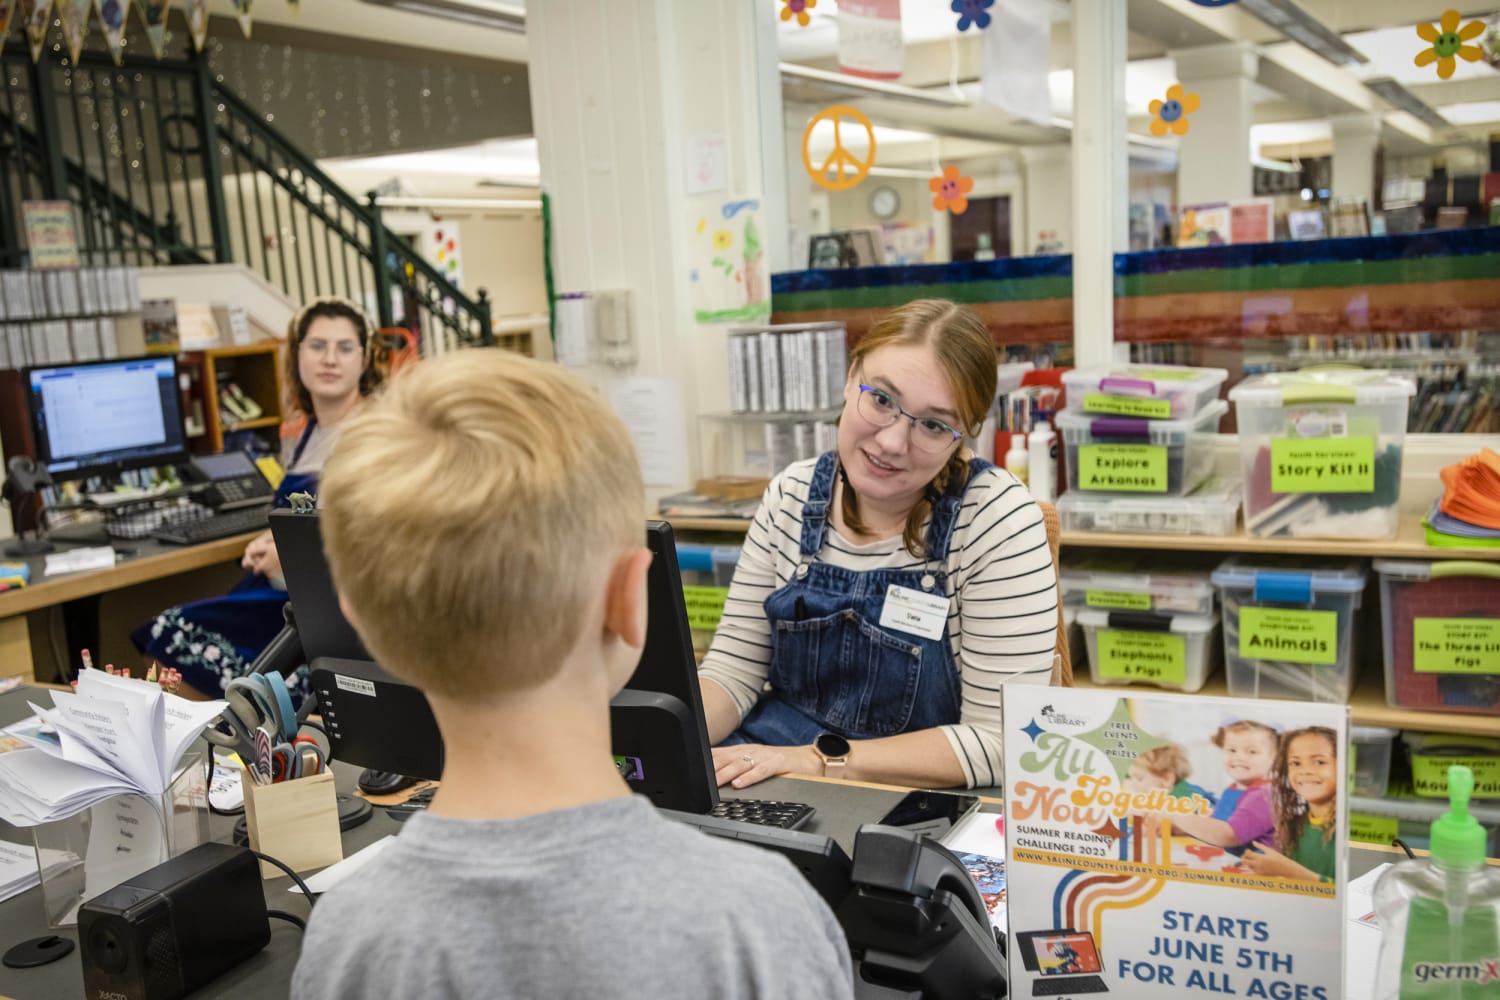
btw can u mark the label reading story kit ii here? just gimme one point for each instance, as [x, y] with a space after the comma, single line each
[1117, 599]
[1127, 406]
[1323, 465]
[1289, 636]
[1158, 657]
[1455, 646]
[1123, 468]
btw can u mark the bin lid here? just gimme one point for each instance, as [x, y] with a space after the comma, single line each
[1181, 624]
[1308, 386]
[1371, 734]
[1434, 569]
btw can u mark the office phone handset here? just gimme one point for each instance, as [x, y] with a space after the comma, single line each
[232, 480]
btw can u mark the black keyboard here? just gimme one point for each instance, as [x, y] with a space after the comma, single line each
[764, 812]
[1069, 984]
[234, 522]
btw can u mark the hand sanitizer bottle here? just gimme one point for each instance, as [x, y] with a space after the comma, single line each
[1440, 916]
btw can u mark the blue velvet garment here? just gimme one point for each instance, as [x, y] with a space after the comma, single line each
[213, 641]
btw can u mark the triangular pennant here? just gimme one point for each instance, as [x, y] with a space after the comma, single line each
[74, 15]
[112, 19]
[242, 10]
[197, 15]
[38, 14]
[154, 16]
[7, 8]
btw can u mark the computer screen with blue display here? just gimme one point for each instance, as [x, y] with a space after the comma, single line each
[106, 416]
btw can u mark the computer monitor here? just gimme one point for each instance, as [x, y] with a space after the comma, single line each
[100, 417]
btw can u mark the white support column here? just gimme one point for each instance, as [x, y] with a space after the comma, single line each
[1214, 157]
[1101, 192]
[1356, 140]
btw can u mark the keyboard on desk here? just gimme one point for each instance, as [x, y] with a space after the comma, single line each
[233, 522]
[764, 812]
[1072, 984]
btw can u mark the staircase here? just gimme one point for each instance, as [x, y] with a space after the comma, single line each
[169, 167]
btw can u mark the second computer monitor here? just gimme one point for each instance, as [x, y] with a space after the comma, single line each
[99, 417]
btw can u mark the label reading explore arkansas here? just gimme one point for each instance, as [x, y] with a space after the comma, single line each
[1323, 465]
[1117, 599]
[1455, 646]
[1155, 657]
[1289, 636]
[1127, 406]
[1123, 468]
[1370, 829]
[705, 606]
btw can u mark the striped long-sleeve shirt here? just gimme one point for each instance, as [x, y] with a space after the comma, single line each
[1002, 621]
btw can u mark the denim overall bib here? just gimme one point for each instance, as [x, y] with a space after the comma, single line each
[833, 667]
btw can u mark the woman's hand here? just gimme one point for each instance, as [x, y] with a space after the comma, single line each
[1263, 860]
[746, 764]
[261, 556]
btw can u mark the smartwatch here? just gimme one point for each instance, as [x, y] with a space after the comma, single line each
[834, 750]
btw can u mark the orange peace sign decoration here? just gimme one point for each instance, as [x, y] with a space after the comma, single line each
[848, 169]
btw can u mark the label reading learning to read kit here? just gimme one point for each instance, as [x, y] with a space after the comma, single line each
[705, 606]
[1429, 774]
[1289, 636]
[1127, 406]
[1373, 829]
[1117, 599]
[1123, 468]
[1455, 646]
[1323, 465]
[1159, 657]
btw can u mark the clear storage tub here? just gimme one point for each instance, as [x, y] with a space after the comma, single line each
[1371, 749]
[1320, 452]
[1442, 634]
[1431, 754]
[1379, 820]
[1123, 583]
[1155, 392]
[1132, 455]
[1212, 509]
[1170, 651]
[1289, 627]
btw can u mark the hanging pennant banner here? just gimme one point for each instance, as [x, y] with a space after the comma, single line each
[154, 17]
[1013, 76]
[870, 38]
[112, 19]
[7, 8]
[242, 10]
[38, 14]
[197, 15]
[74, 15]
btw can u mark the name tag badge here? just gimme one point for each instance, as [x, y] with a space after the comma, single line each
[914, 612]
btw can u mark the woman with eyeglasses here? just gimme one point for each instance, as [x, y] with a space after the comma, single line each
[886, 590]
[330, 368]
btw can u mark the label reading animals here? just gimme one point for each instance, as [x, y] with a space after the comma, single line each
[1157, 657]
[1289, 636]
[1323, 465]
[1123, 468]
[1455, 646]
[914, 612]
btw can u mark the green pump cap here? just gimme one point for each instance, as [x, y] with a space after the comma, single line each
[1457, 838]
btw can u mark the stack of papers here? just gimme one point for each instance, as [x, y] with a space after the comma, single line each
[1469, 511]
[20, 871]
[114, 735]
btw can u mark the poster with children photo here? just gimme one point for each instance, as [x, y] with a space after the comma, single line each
[1162, 844]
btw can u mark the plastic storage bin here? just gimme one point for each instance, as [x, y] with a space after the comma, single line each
[1212, 509]
[1431, 754]
[1371, 749]
[1379, 820]
[1320, 452]
[1441, 634]
[1170, 651]
[1156, 392]
[1133, 455]
[1289, 627]
[1123, 584]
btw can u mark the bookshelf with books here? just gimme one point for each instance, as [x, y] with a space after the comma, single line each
[56, 316]
[234, 389]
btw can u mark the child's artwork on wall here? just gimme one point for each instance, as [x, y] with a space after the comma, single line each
[730, 280]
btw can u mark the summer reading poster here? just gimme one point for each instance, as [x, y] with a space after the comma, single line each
[1169, 845]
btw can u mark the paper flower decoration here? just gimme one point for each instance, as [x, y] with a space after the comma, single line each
[723, 239]
[950, 191]
[798, 9]
[1171, 115]
[1449, 42]
[972, 12]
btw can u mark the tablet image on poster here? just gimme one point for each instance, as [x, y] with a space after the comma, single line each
[1164, 845]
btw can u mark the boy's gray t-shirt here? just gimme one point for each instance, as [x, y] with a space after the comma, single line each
[604, 900]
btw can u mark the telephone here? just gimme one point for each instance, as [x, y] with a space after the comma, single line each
[232, 480]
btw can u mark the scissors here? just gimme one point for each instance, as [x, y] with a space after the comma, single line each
[300, 758]
[255, 700]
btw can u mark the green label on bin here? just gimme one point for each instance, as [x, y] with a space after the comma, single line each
[705, 606]
[1123, 468]
[1117, 599]
[1455, 646]
[1157, 657]
[1289, 636]
[1127, 406]
[1323, 465]
[1373, 829]
[1429, 774]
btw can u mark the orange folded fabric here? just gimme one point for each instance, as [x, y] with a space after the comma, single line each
[1472, 489]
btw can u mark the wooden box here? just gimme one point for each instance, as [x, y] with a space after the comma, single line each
[296, 822]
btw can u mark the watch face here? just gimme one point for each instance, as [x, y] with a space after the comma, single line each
[832, 745]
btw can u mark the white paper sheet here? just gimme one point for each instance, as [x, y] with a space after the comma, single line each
[336, 873]
[652, 410]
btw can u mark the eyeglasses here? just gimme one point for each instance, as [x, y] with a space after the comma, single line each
[881, 409]
[344, 349]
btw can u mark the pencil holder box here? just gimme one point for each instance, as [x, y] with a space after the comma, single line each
[296, 822]
[1320, 452]
[1442, 634]
[1138, 457]
[1138, 647]
[1155, 392]
[1289, 627]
